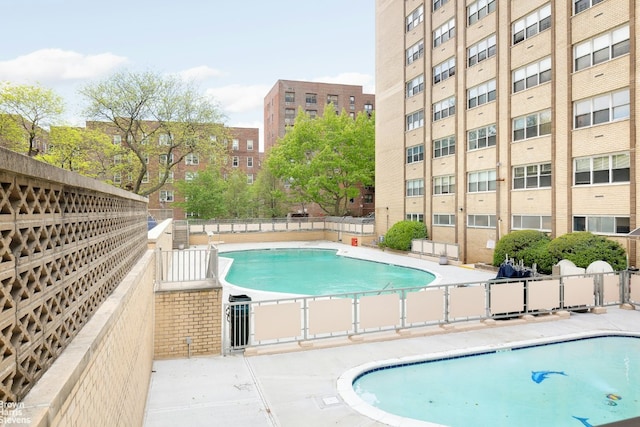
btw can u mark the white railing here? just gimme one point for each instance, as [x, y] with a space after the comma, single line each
[256, 323]
[435, 249]
[351, 225]
[187, 265]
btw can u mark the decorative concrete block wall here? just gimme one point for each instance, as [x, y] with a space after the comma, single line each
[66, 242]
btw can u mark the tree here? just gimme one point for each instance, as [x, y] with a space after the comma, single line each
[269, 195]
[32, 108]
[326, 159]
[12, 136]
[87, 152]
[158, 117]
[204, 195]
[236, 196]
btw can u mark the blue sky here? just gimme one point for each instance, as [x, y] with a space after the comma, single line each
[234, 50]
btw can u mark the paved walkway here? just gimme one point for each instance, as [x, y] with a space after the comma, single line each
[300, 388]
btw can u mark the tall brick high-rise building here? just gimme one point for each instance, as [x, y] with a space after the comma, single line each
[287, 97]
[495, 116]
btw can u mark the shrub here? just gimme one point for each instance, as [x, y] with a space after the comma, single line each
[401, 233]
[525, 245]
[583, 248]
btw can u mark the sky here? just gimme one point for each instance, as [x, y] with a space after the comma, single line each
[234, 51]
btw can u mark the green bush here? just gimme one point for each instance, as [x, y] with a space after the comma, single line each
[401, 233]
[525, 245]
[583, 248]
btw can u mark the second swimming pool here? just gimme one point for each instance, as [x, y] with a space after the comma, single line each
[317, 272]
[579, 383]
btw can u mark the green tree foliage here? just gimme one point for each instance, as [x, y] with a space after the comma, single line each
[31, 108]
[269, 195]
[401, 234]
[157, 117]
[87, 152]
[12, 135]
[204, 194]
[236, 196]
[583, 248]
[325, 159]
[520, 245]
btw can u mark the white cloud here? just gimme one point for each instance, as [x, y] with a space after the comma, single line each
[200, 73]
[57, 65]
[238, 98]
[367, 81]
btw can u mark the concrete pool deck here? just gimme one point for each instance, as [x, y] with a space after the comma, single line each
[301, 388]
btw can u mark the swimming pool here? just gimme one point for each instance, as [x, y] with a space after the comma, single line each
[317, 272]
[581, 383]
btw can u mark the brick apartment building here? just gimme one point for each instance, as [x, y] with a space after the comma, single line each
[281, 107]
[500, 115]
[243, 154]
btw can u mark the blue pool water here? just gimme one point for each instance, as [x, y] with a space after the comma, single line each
[579, 383]
[317, 272]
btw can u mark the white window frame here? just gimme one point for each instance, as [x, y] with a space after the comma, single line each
[481, 51]
[235, 144]
[532, 75]
[531, 222]
[437, 4]
[444, 146]
[582, 5]
[190, 176]
[481, 221]
[482, 137]
[415, 52]
[601, 224]
[249, 162]
[414, 120]
[415, 18]
[249, 144]
[481, 181]
[166, 159]
[444, 185]
[616, 106]
[415, 86]
[414, 187]
[415, 154]
[444, 108]
[481, 94]
[192, 159]
[444, 70]
[531, 24]
[589, 53]
[166, 196]
[235, 161]
[117, 139]
[164, 139]
[479, 9]
[616, 167]
[444, 33]
[532, 125]
[444, 220]
[532, 176]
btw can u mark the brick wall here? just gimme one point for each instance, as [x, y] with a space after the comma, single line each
[193, 313]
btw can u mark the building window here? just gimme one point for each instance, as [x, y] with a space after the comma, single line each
[312, 113]
[415, 86]
[444, 147]
[117, 178]
[145, 157]
[444, 33]
[444, 184]
[531, 222]
[602, 224]
[601, 49]
[532, 24]
[602, 169]
[169, 176]
[249, 162]
[190, 176]
[311, 99]
[481, 181]
[289, 114]
[249, 178]
[235, 144]
[415, 187]
[415, 154]
[446, 220]
[332, 99]
[532, 75]
[164, 139]
[368, 108]
[192, 159]
[481, 137]
[532, 125]
[580, 5]
[117, 159]
[415, 120]
[437, 4]
[479, 9]
[415, 52]
[166, 159]
[145, 178]
[532, 176]
[482, 50]
[289, 97]
[417, 217]
[601, 109]
[481, 221]
[444, 70]
[235, 162]
[481, 94]
[117, 139]
[415, 18]
[166, 196]
[367, 198]
[444, 108]
[249, 144]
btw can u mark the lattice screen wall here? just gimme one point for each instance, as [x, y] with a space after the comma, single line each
[63, 249]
